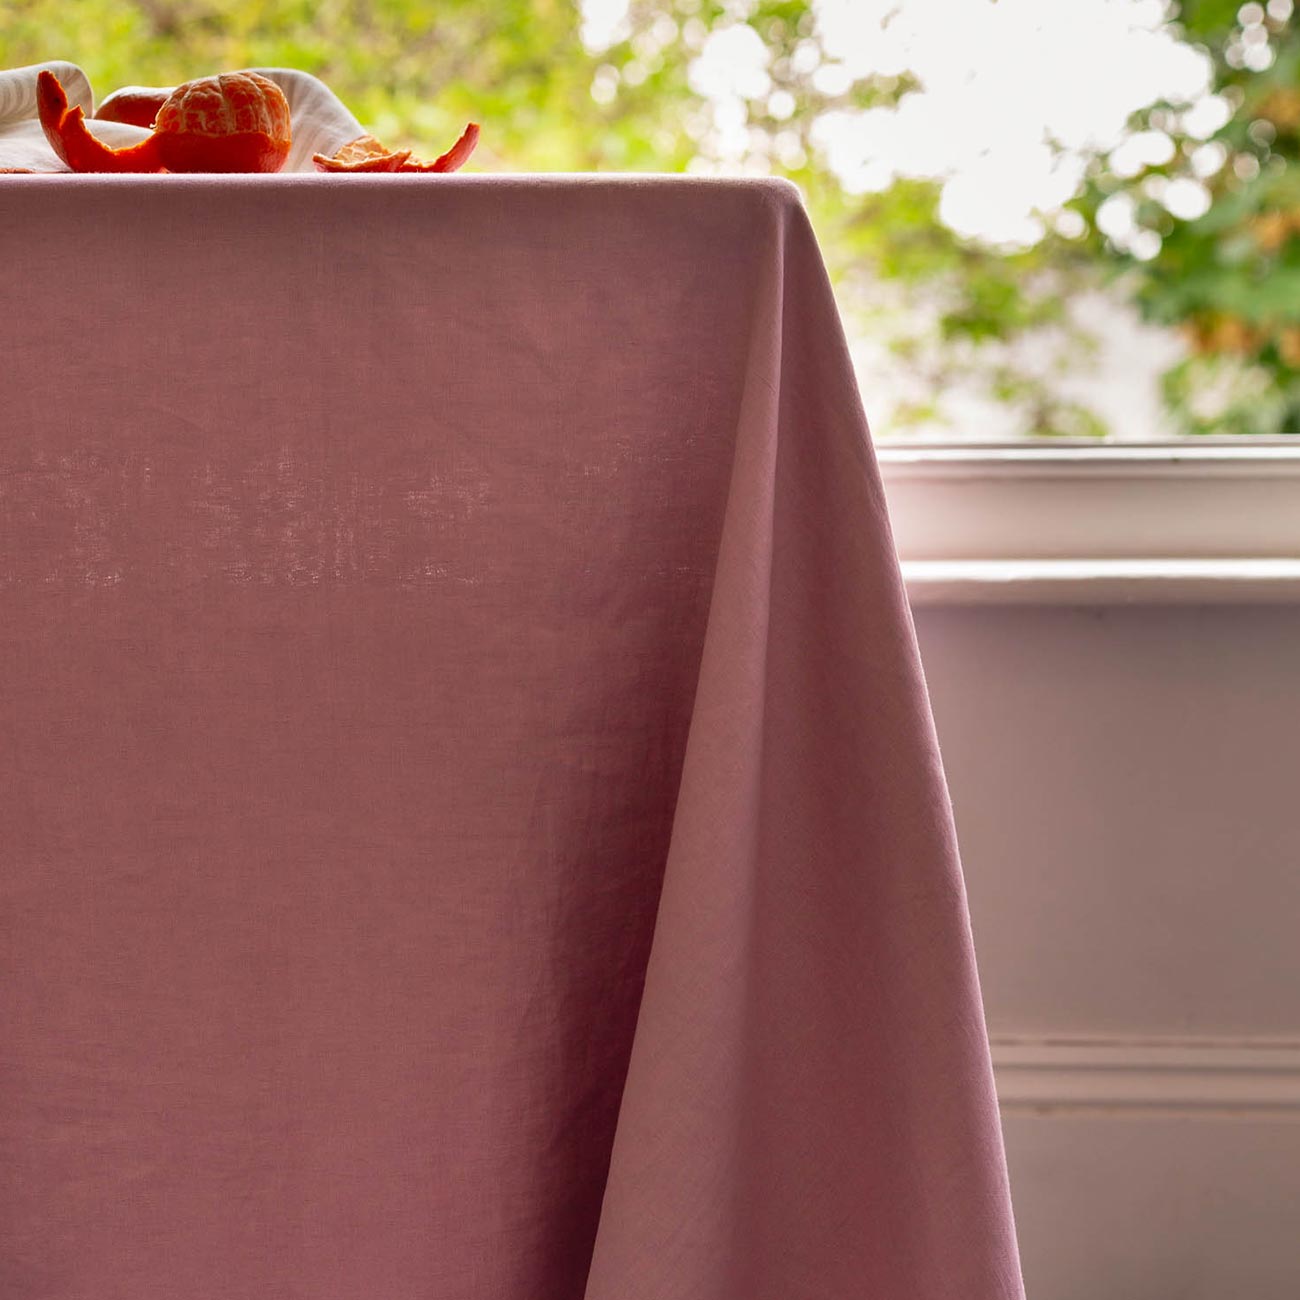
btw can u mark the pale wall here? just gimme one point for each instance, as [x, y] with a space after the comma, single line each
[1126, 785]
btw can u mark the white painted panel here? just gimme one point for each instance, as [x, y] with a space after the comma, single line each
[1141, 1208]
[1126, 786]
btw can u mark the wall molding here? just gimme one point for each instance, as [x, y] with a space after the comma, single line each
[1210, 1076]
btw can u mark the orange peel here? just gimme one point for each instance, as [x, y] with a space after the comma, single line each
[366, 154]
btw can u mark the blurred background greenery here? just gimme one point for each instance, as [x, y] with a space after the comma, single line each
[1042, 219]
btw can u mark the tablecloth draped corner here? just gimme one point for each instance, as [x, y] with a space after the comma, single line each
[471, 821]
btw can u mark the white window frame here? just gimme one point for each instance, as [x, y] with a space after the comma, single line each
[1201, 521]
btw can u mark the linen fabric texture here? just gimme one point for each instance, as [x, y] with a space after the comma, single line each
[471, 823]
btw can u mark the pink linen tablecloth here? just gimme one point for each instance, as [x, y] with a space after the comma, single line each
[471, 825]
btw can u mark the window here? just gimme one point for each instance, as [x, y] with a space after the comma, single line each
[1198, 520]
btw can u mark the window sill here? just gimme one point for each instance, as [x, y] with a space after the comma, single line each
[1205, 523]
[1102, 582]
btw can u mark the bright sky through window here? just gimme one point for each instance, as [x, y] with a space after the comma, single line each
[1000, 82]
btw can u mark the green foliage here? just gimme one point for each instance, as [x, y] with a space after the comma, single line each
[952, 311]
[1230, 279]
[414, 71]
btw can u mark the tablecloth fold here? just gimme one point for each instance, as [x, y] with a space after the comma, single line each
[809, 1109]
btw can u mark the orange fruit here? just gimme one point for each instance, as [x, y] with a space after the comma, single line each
[234, 122]
[135, 105]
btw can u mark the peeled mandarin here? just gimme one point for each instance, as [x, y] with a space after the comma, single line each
[234, 122]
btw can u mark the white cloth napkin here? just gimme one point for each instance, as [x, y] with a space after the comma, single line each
[318, 119]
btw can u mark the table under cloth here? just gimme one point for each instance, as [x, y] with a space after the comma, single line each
[471, 824]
